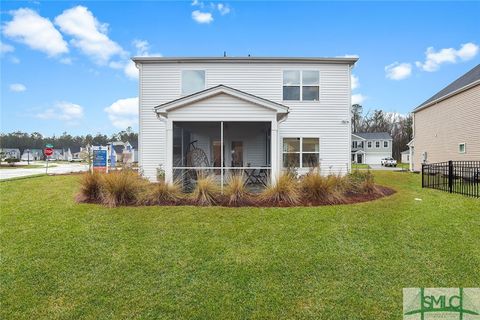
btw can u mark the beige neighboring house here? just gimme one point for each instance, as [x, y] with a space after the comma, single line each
[447, 126]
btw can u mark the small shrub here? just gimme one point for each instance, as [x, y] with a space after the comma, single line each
[322, 189]
[205, 190]
[161, 193]
[122, 187]
[360, 182]
[284, 191]
[236, 192]
[90, 187]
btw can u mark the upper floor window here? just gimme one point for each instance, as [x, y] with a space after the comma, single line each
[369, 144]
[385, 144]
[192, 81]
[461, 148]
[377, 144]
[301, 85]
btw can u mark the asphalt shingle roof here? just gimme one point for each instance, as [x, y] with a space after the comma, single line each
[374, 135]
[468, 78]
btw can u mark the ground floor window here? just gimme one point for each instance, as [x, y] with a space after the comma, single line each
[301, 152]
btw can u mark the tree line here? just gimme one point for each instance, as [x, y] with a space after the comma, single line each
[400, 127]
[35, 140]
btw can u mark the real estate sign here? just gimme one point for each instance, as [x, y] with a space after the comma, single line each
[100, 158]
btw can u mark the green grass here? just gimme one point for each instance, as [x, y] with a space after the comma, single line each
[62, 260]
[360, 166]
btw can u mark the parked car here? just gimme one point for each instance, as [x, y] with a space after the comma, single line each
[388, 162]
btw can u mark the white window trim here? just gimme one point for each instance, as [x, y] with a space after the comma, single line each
[301, 149]
[301, 84]
[369, 144]
[464, 147]
[181, 80]
[378, 144]
[385, 142]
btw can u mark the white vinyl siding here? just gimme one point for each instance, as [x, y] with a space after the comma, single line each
[326, 118]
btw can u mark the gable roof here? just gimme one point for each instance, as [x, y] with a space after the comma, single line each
[342, 60]
[468, 80]
[374, 135]
[163, 109]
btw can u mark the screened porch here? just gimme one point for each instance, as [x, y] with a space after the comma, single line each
[222, 149]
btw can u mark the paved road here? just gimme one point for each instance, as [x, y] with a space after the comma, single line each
[59, 169]
[380, 167]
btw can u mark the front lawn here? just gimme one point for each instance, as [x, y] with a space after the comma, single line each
[59, 259]
[360, 166]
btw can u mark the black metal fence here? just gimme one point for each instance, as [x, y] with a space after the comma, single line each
[461, 177]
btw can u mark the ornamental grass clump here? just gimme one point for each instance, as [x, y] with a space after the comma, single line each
[235, 191]
[206, 191]
[284, 192]
[317, 189]
[90, 187]
[122, 187]
[361, 182]
[162, 193]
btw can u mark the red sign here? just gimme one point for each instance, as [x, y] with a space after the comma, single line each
[48, 151]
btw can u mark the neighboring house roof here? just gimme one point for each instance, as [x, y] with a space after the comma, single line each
[74, 149]
[163, 109]
[468, 80]
[118, 148]
[354, 134]
[406, 152]
[349, 61]
[374, 135]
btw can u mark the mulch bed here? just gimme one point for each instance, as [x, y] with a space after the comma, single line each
[351, 198]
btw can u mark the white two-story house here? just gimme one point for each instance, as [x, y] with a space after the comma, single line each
[371, 147]
[251, 115]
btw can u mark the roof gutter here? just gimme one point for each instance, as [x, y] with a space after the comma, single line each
[313, 60]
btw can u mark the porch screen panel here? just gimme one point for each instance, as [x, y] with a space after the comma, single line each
[195, 144]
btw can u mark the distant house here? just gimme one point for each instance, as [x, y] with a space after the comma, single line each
[447, 126]
[11, 153]
[405, 156]
[371, 147]
[76, 152]
[123, 152]
[32, 155]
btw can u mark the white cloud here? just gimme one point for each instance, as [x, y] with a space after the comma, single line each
[143, 48]
[89, 35]
[123, 113]
[354, 82]
[37, 32]
[202, 17]
[433, 58]
[358, 98]
[6, 48]
[349, 56]
[398, 71]
[64, 111]
[223, 9]
[17, 87]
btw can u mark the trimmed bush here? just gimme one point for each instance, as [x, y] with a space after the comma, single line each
[122, 187]
[90, 187]
[322, 189]
[206, 191]
[285, 191]
[236, 192]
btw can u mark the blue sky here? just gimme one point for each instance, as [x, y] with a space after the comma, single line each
[65, 66]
